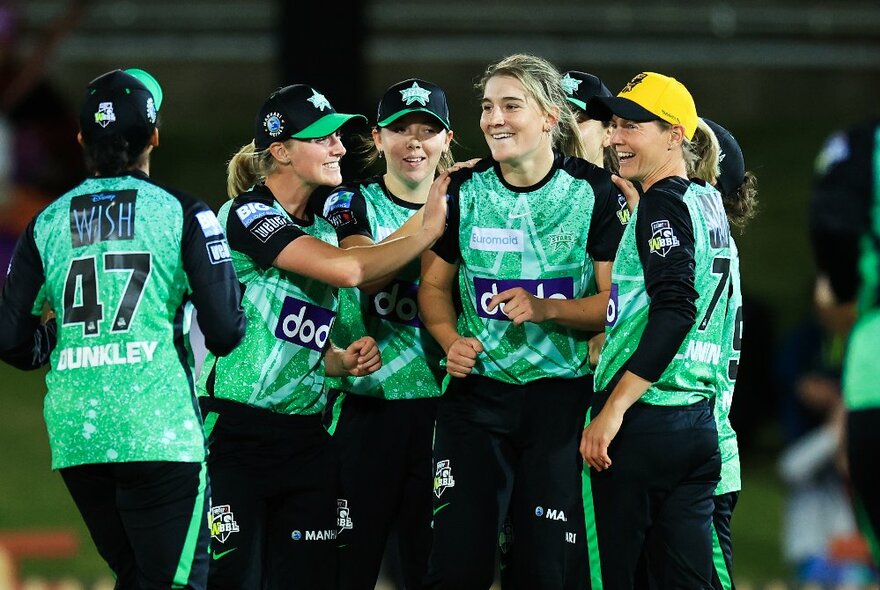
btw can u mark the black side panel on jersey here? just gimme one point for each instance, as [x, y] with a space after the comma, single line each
[24, 342]
[669, 279]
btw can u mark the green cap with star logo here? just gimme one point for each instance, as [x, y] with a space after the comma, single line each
[297, 111]
[413, 96]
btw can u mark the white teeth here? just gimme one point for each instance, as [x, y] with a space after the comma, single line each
[331, 165]
[501, 135]
[625, 155]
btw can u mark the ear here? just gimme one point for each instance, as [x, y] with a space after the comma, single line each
[376, 133]
[79, 138]
[279, 152]
[551, 119]
[678, 135]
[154, 138]
[448, 144]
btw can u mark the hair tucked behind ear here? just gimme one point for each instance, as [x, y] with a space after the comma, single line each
[246, 168]
[542, 80]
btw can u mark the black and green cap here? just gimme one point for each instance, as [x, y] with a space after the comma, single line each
[121, 102]
[297, 111]
[580, 87]
[731, 163]
[413, 96]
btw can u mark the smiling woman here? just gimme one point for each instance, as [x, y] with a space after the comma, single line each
[651, 425]
[531, 234]
[263, 403]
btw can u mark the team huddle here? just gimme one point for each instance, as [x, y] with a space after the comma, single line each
[527, 357]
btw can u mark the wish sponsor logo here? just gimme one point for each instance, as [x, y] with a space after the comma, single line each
[304, 324]
[612, 310]
[397, 303]
[486, 289]
[268, 226]
[493, 239]
[102, 217]
[250, 212]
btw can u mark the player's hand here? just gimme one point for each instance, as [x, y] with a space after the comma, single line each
[520, 306]
[628, 189]
[597, 436]
[594, 345]
[434, 220]
[466, 164]
[362, 357]
[462, 356]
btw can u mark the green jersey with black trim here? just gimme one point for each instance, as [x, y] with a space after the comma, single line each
[691, 375]
[410, 356]
[731, 346]
[115, 252]
[279, 365]
[542, 238]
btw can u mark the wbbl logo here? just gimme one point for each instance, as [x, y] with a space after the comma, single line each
[222, 522]
[397, 303]
[343, 515]
[663, 239]
[443, 478]
[486, 289]
[304, 324]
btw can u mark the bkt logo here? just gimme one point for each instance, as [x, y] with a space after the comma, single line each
[486, 289]
[249, 212]
[397, 304]
[612, 311]
[304, 324]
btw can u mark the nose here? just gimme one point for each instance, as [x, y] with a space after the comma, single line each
[413, 141]
[493, 116]
[336, 145]
[614, 139]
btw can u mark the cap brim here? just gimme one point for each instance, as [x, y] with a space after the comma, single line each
[150, 82]
[578, 103]
[389, 120]
[604, 107]
[327, 125]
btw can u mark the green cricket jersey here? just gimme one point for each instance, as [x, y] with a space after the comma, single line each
[410, 356]
[544, 239]
[731, 346]
[116, 258]
[279, 365]
[669, 294]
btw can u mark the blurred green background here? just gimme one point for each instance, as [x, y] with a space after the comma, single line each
[780, 74]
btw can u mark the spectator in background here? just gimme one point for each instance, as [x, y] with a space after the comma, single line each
[39, 156]
[845, 232]
[819, 519]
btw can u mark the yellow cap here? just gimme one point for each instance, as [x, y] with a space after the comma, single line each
[649, 96]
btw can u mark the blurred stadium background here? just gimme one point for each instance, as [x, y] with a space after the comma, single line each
[781, 74]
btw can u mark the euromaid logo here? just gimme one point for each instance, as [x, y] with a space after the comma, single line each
[497, 240]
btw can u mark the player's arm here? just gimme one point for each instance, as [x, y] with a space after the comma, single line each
[359, 358]
[25, 341]
[215, 290]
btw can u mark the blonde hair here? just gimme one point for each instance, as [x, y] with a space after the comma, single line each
[541, 79]
[248, 167]
[707, 150]
[742, 205]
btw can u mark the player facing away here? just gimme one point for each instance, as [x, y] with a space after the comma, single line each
[115, 259]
